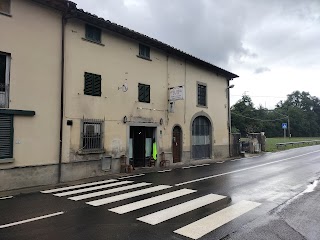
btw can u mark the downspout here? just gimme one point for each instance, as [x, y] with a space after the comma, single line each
[63, 25]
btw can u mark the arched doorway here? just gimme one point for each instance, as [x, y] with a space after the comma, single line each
[201, 138]
[176, 144]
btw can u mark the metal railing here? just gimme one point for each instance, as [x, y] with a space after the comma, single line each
[4, 95]
[298, 143]
[92, 135]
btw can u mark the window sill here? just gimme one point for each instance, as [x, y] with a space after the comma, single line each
[87, 152]
[6, 14]
[201, 106]
[91, 41]
[145, 58]
[7, 160]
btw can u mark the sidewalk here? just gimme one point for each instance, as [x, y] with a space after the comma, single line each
[296, 219]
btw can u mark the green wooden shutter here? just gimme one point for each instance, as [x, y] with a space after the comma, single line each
[88, 83]
[96, 89]
[147, 93]
[6, 136]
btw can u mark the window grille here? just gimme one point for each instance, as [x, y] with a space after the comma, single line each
[92, 135]
[202, 95]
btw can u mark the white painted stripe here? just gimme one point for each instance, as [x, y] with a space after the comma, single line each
[185, 167]
[105, 192]
[207, 224]
[91, 189]
[124, 196]
[8, 197]
[78, 186]
[172, 212]
[132, 176]
[220, 162]
[151, 201]
[244, 169]
[163, 171]
[30, 220]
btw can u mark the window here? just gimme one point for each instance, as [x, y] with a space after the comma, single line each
[92, 84]
[5, 6]
[4, 80]
[202, 95]
[93, 33]
[144, 51]
[144, 93]
[6, 136]
[92, 135]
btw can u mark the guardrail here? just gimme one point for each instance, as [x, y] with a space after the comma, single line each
[298, 143]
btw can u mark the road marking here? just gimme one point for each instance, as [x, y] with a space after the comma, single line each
[241, 170]
[151, 201]
[105, 192]
[168, 213]
[78, 186]
[132, 176]
[219, 162]
[168, 170]
[185, 167]
[207, 224]
[124, 196]
[63, 194]
[30, 220]
[8, 197]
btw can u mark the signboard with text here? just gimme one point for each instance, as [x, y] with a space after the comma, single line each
[176, 93]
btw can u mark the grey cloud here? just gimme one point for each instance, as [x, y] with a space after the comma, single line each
[261, 70]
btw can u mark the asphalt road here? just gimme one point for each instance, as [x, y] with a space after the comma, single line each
[243, 199]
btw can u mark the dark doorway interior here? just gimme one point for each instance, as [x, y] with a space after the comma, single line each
[141, 144]
[176, 144]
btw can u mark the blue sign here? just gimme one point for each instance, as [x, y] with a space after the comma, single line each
[284, 126]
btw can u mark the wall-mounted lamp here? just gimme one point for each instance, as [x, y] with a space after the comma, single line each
[231, 86]
[69, 122]
[125, 119]
[161, 121]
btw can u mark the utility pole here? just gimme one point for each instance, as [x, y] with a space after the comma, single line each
[289, 132]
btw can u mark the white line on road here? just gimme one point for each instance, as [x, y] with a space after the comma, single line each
[219, 162]
[109, 191]
[172, 212]
[30, 220]
[185, 167]
[91, 189]
[78, 186]
[163, 171]
[207, 224]
[124, 196]
[241, 170]
[131, 176]
[151, 201]
[8, 197]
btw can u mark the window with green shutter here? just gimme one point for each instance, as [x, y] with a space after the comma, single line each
[6, 136]
[92, 84]
[144, 93]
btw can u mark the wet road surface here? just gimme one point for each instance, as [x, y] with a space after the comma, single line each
[200, 202]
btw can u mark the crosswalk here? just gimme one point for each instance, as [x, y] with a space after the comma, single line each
[98, 194]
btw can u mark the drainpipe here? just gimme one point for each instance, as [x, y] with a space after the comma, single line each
[63, 25]
[229, 114]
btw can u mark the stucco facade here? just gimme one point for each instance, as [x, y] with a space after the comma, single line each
[35, 85]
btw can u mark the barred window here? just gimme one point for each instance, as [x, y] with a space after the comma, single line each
[92, 135]
[202, 95]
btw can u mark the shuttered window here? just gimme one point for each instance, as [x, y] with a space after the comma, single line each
[6, 136]
[92, 84]
[144, 93]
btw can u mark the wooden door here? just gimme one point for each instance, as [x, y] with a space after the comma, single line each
[176, 144]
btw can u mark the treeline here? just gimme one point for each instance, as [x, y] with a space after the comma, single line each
[300, 110]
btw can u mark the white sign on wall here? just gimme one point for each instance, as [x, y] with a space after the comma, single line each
[176, 93]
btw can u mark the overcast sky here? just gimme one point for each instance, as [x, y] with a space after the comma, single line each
[274, 45]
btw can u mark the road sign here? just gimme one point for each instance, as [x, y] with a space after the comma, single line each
[284, 125]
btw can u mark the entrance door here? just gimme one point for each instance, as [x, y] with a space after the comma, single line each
[176, 144]
[201, 145]
[139, 136]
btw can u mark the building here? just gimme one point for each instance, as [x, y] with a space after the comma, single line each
[99, 91]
